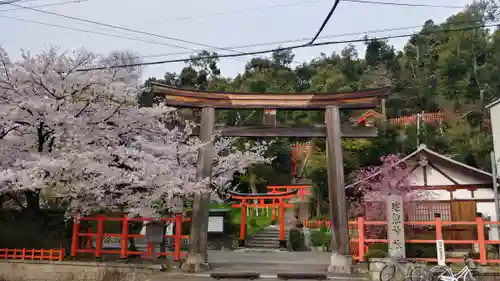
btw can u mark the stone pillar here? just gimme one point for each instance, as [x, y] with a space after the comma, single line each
[395, 226]
[340, 260]
[197, 256]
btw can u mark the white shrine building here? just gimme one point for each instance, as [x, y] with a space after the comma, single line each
[494, 108]
[456, 191]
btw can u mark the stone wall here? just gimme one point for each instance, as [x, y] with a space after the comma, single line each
[14, 270]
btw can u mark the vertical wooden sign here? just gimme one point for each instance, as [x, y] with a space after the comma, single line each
[395, 226]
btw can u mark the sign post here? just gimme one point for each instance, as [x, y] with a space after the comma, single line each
[395, 226]
[441, 255]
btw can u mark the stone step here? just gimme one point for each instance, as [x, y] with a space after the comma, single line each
[266, 238]
[259, 246]
[267, 235]
[264, 243]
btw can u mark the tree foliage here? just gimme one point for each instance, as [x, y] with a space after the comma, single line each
[82, 137]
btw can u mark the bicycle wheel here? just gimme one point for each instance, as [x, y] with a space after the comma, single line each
[439, 270]
[418, 273]
[474, 275]
[387, 272]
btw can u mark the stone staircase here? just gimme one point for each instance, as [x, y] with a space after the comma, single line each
[268, 238]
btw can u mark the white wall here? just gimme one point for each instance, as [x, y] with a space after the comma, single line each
[488, 209]
[495, 125]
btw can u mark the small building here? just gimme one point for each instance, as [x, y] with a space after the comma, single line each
[494, 108]
[455, 190]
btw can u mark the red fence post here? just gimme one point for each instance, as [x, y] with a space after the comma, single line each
[100, 235]
[124, 238]
[74, 238]
[273, 213]
[361, 238]
[61, 254]
[282, 224]
[88, 241]
[178, 237]
[480, 238]
[439, 226]
[243, 223]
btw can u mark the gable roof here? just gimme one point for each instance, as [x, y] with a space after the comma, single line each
[370, 113]
[431, 154]
[493, 103]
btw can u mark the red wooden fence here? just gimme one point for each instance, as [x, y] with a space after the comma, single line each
[359, 243]
[124, 235]
[32, 254]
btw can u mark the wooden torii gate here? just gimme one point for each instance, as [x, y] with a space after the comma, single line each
[331, 103]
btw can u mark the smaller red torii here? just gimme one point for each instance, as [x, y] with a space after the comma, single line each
[278, 200]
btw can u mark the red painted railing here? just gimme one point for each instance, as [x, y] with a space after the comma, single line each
[32, 254]
[359, 240]
[316, 223]
[124, 235]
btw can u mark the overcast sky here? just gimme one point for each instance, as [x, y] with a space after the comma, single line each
[219, 23]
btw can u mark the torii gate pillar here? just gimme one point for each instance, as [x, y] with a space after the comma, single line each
[336, 192]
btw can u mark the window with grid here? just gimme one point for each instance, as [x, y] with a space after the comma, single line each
[424, 211]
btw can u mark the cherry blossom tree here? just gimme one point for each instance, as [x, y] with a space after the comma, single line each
[82, 136]
[374, 184]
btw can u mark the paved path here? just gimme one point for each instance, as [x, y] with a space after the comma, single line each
[202, 278]
[282, 257]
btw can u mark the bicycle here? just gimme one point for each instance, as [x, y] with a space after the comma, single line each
[411, 273]
[466, 273]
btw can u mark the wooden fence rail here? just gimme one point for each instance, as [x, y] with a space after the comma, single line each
[32, 254]
[124, 237]
[359, 242]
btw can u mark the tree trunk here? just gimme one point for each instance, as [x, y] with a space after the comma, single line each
[252, 178]
[32, 204]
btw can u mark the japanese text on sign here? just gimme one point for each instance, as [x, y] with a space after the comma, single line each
[395, 226]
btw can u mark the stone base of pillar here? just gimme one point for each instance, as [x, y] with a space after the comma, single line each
[241, 243]
[340, 264]
[195, 264]
[283, 244]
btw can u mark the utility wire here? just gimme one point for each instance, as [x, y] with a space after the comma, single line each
[325, 21]
[121, 28]
[98, 33]
[45, 5]
[207, 15]
[274, 43]
[402, 4]
[7, 2]
[286, 48]
[235, 12]
[337, 35]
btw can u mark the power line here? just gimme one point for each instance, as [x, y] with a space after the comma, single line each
[46, 5]
[185, 18]
[121, 28]
[285, 48]
[191, 51]
[403, 4]
[325, 21]
[274, 43]
[337, 35]
[235, 11]
[96, 32]
[6, 2]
